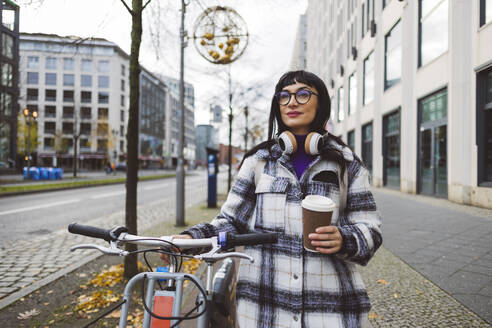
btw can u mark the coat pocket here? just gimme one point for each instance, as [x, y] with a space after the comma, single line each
[271, 196]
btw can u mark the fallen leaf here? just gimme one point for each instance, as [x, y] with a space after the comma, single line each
[22, 299]
[382, 282]
[419, 292]
[49, 292]
[47, 303]
[395, 295]
[51, 322]
[114, 314]
[28, 314]
[373, 315]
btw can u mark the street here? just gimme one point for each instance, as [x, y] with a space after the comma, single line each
[26, 216]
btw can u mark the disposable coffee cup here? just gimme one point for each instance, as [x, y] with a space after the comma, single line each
[316, 212]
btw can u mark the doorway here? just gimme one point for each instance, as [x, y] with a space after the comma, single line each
[433, 176]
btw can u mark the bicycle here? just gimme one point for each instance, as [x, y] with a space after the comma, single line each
[162, 308]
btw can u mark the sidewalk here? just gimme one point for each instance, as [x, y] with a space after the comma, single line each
[434, 269]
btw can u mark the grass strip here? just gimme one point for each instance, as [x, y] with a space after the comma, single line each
[74, 184]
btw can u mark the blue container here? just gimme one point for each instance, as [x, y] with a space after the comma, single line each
[44, 173]
[51, 173]
[25, 173]
[58, 173]
[34, 173]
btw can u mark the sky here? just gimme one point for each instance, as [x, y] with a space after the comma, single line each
[272, 26]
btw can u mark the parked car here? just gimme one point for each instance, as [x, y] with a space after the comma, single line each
[120, 167]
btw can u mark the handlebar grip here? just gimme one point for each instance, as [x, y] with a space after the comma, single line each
[251, 239]
[90, 231]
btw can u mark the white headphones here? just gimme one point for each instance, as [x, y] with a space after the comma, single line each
[312, 145]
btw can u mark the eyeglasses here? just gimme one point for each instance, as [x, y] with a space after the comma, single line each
[302, 96]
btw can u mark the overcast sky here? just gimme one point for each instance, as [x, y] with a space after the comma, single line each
[272, 26]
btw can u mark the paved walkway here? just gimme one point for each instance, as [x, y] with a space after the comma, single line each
[435, 269]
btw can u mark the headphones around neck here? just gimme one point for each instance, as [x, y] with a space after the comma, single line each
[313, 144]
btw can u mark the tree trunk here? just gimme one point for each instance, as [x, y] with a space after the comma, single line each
[132, 142]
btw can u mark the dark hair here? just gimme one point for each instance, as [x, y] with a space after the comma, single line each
[276, 126]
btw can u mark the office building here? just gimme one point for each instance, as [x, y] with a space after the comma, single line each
[411, 87]
[9, 86]
[206, 136]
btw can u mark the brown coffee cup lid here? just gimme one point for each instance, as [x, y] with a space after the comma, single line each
[318, 203]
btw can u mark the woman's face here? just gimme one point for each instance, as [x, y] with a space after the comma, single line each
[297, 117]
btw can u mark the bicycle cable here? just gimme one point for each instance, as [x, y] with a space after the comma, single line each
[186, 317]
[105, 314]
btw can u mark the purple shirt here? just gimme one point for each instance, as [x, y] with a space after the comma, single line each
[301, 159]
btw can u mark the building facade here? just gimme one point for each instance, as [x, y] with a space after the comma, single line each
[80, 90]
[9, 82]
[79, 87]
[206, 136]
[411, 88]
[299, 60]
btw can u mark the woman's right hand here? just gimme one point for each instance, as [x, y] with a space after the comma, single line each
[165, 257]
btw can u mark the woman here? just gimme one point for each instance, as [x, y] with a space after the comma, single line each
[288, 286]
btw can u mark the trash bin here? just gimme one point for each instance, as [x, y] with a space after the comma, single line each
[59, 173]
[34, 173]
[51, 173]
[25, 172]
[44, 175]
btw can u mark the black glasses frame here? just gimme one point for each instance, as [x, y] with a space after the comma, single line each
[277, 95]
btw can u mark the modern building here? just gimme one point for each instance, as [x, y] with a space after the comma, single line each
[206, 136]
[411, 87]
[173, 84]
[9, 82]
[299, 60]
[152, 122]
[80, 89]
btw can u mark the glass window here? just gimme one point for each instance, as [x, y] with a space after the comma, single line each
[367, 146]
[68, 64]
[7, 45]
[68, 80]
[122, 70]
[5, 104]
[122, 115]
[363, 12]
[8, 17]
[484, 127]
[102, 113]
[50, 111]
[50, 63]
[103, 81]
[369, 78]
[102, 145]
[433, 25]
[67, 127]
[86, 97]
[351, 140]
[86, 65]
[32, 77]
[122, 146]
[5, 138]
[32, 94]
[352, 94]
[67, 95]
[68, 112]
[122, 100]
[84, 143]
[50, 127]
[49, 143]
[122, 85]
[341, 113]
[103, 66]
[391, 149]
[122, 131]
[86, 80]
[50, 95]
[85, 128]
[33, 62]
[392, 56]
[103, 97]
[102, 129]
[7, 75]
[50, 78]
[85, 112]
[434, 107]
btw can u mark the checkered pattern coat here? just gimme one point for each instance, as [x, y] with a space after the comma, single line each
[287, 286]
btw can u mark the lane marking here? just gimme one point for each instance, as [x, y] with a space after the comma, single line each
[154, 187]
[36, 207]
[109, 194]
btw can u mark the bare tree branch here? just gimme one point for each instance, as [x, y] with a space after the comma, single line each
[148, 1]
[127, 8]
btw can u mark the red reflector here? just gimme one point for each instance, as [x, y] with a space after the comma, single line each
[163, 306]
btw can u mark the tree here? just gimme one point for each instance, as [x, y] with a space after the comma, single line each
[132, 135]
[25, 130]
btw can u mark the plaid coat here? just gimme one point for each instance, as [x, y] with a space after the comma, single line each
[287, 286]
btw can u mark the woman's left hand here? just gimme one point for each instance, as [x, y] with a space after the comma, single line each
[327, 239]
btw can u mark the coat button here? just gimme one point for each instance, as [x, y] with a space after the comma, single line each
[295, 276]
[296, 318]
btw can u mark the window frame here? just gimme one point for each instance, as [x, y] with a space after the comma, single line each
[386, 87]
[481, 136]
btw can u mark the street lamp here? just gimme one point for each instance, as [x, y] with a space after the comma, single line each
[30, 117]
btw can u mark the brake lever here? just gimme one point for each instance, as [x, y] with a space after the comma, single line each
[220, 256]
[102, 249]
